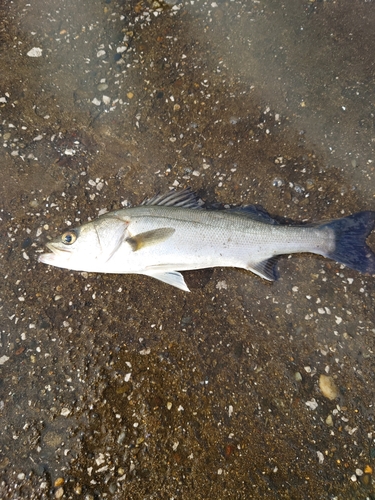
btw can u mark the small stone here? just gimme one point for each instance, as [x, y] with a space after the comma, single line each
[312, 404]
[59, 492]
[106, 100]
[59, 482]
[35, 52]
[329, 420]
[77, 489]
[130, 95]
[102, 86]
[328, 387]
[121, 439]
[96, 101]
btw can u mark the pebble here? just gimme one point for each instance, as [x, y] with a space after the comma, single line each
[102, 86]
[59, 493]
[121, 438]
[35, 52]
[130, 95]
[328, 387]
[329, 421]
[312, 404]
[3, 359]
[59, 482]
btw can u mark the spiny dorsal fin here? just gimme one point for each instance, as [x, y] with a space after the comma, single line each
[148, 238]
[186, 198]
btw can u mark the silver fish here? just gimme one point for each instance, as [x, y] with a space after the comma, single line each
[172, 233]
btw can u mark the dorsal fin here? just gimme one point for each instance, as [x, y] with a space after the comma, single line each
[186, 198]
[255, 212]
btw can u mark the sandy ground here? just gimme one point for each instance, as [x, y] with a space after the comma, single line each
[123, 387]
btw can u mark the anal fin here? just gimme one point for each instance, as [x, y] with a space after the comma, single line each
[265, 269]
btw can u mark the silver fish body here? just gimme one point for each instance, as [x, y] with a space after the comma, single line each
[172, 233]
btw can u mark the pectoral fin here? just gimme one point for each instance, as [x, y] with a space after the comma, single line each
[171, 278]
[149, 238]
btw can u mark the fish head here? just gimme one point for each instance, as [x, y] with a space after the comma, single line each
[88, 247]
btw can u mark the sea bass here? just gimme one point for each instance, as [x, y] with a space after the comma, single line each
[172, 232]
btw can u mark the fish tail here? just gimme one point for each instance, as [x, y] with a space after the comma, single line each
[350, 238]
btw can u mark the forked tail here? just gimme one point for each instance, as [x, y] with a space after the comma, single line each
[351, 248]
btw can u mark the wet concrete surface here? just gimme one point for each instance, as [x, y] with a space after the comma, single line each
[122, 386]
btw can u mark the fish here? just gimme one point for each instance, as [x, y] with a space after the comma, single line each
[174, 232]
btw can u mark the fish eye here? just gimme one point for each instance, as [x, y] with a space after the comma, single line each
[69, 238]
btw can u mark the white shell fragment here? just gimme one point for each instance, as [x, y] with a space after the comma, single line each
[35, 52]
[3, 359]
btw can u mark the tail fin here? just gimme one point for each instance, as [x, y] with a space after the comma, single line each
[351, 248]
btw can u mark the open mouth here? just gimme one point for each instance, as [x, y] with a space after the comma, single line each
[52, 258]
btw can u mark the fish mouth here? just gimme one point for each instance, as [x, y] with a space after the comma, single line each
[52, 258]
